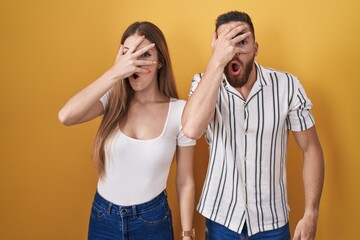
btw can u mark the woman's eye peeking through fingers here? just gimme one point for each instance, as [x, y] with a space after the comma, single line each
[145, 55]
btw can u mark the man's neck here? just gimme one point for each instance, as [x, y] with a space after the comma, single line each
[246, 89]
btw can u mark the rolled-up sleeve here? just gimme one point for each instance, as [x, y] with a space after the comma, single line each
[194, 83]
[300, 117]
[184, 141]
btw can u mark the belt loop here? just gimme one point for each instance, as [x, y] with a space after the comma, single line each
[134, 211]
[108, 210]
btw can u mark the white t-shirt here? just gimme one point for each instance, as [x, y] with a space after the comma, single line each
[136, 170]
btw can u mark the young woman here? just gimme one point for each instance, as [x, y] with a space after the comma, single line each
[136, 141]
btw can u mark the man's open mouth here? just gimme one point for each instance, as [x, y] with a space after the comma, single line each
[234, 68]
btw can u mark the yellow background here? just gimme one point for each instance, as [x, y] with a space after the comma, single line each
[51, 49]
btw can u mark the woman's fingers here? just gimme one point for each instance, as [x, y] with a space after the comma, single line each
[141, 70]
[142, 66]
[144, 63]
[129, 61]
[136, 44]
[120, 53]
[143, 50]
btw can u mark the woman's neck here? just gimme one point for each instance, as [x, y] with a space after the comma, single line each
[147, 96]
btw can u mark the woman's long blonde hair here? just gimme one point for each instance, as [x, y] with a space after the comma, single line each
[121, 94]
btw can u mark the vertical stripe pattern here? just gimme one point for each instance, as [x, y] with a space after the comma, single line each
[246, 176]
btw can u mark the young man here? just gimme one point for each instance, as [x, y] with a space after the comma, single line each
[247, 111]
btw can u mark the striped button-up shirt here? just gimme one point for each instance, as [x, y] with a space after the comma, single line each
[246, 176]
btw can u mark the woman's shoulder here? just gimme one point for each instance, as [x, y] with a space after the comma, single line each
[178, 103]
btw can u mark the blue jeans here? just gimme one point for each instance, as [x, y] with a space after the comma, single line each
[150, 220]
[216, 231]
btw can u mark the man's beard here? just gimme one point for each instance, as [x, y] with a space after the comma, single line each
[239, 80]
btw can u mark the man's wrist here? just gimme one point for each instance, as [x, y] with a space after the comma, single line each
[311, 212]
[214, 63]
[311, 215]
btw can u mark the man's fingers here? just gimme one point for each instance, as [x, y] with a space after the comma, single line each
[237, 31]
[213, 40]
[230, 28]
[240, 37]
[297, 235]
[241, 50]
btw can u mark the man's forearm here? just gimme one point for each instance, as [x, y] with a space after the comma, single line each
[199, 109]
[313, 178]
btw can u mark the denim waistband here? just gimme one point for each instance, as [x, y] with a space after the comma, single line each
[131, 210]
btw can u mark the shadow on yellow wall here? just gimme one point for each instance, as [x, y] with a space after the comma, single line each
[49, 50]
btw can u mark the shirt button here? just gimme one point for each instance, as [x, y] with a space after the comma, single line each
[244, 158]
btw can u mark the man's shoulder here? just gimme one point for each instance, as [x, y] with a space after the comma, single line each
[197, 77]
[272, 74]
[270, 70]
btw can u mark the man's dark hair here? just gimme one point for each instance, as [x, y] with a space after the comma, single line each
[234, 16]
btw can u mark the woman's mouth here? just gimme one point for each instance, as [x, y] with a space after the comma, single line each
[135, 76]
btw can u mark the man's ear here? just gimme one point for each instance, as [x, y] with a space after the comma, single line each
[256, 48]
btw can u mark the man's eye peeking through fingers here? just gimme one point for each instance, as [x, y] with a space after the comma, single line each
[243, 42]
